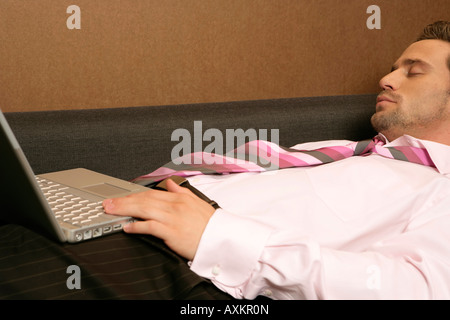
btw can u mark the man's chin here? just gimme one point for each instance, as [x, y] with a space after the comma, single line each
[381, 121]
[385, 106]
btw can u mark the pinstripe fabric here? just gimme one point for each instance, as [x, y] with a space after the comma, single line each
[259, 156]
[119, 266]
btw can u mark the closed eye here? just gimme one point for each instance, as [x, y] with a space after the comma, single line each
[415, 71]
[413, 67]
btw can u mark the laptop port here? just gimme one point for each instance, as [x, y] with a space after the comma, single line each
[87, 234]
[97, 232]
[117, 227]
[107, 229]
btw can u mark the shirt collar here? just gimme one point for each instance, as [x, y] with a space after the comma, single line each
[439, 153]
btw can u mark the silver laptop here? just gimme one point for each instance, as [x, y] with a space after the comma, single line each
[64, 205]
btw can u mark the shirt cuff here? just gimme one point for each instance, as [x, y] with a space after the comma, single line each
[229, 235]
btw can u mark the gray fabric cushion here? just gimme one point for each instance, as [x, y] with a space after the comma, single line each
[128, 142]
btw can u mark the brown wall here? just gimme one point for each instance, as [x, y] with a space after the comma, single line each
[159, 52]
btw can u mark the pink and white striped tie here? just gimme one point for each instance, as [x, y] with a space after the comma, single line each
[260, 156]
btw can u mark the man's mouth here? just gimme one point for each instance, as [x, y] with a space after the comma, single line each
[384, 97]
[383, 100]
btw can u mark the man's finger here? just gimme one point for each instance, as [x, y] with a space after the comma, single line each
[147, 205]
[150, 227]
[174, 187]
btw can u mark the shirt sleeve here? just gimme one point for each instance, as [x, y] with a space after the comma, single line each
[247, 258]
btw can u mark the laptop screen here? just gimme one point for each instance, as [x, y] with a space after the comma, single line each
[21, 199]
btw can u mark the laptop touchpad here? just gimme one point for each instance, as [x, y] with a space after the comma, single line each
[106, 190]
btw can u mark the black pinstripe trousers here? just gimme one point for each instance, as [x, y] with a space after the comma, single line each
[119, 266]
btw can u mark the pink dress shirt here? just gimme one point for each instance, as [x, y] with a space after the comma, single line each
[360, 228]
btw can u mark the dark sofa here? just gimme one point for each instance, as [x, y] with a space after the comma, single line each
[128, 142]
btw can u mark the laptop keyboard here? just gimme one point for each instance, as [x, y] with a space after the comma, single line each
[71, 208]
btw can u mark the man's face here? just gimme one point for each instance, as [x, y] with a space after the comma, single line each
[416, 94]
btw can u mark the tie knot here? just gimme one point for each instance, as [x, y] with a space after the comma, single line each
[379, 140]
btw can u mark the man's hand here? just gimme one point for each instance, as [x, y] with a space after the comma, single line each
[178, 216]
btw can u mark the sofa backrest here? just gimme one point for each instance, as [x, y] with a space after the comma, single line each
[128, 142]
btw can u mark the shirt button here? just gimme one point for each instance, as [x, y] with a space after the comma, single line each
[215, 270]
[267, 293]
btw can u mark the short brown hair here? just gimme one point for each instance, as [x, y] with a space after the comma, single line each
[439, 30]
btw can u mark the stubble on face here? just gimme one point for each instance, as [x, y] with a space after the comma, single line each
[416, 94]
[398, 119]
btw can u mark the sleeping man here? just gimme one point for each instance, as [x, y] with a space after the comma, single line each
[364, 227]
[338, 220]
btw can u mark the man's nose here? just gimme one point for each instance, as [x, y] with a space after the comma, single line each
[391, 81]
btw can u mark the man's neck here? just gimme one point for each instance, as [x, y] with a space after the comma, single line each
[438, 133]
